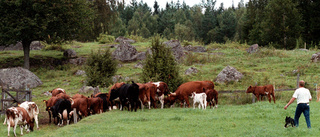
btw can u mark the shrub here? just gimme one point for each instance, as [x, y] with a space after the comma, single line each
[161, 66]
[104, 38]
[100, 67]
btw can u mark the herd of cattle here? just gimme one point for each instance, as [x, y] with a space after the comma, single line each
[132, 96]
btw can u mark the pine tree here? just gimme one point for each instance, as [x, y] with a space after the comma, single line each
[100, 67]
[161, 65]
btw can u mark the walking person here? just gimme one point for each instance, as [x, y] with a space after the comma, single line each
[303, 97]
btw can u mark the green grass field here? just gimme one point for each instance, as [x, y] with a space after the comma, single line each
[236, 115]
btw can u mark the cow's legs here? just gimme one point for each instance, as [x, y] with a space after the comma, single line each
[269, 98]
[187, 101]
[5, 120]
[36, 120]
[21, 129]
[194, 104]
[274, 99]
[14, 129]
[9, 129]
[49, 116]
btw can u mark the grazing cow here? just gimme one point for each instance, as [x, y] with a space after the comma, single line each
[114, 97]
[18, 116]
[212, 97]
[58, 108]
[57, 91]
[200, 98]
[129, 93]
[95, 105]
[162, 89]
[262, 91]
[81, 106]
[184, 91]
[32, 109]
[144, 95]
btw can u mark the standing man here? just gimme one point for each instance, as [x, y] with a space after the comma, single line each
[303, 97]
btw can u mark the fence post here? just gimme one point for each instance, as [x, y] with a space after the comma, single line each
[253, 98]
[75, 116]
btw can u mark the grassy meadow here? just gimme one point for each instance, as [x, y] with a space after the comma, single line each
[235, 116]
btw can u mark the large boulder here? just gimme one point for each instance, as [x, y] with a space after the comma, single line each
[195, 48]
[176, 48]
[139, 56]
[315, 57]
[123, 39]
[36, 45]
[229, 74]
[88, 89]
[125, 52]
[253, 48]
[18, 78]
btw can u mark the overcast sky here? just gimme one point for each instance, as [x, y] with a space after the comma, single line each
[162, 3]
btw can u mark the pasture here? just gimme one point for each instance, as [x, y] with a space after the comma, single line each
[235, 116]
[258, 119]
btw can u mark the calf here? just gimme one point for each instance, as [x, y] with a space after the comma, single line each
[200, 98]
[32, 109]
[162, 89]
[58, 108]
[18, 116]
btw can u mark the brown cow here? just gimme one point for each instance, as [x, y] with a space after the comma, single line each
[57, 91]
[95, 105]
[184, 90]
[49, 103]
[212, 97]
[81, 105]
[262, 90]
[144, 95]
[153, 93]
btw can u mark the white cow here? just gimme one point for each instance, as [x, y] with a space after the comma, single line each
[32, 109]
[200, 98]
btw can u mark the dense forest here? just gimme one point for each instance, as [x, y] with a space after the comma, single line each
[284, 24]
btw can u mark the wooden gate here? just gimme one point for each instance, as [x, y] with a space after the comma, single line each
[13, 97]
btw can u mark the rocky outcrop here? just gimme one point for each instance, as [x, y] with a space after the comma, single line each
[18, 78]
[35, 45]
[69, 53]
[125, 52]
[229, 74]
[176, 48]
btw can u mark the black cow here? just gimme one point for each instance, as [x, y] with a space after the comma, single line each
[59, 107]
[129, 93]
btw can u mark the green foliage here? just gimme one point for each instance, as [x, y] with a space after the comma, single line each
[57, 47]
[100, 67]
[105, 38]
[161, 65]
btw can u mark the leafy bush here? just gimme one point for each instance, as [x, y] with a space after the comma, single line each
[100, 68]
[57, 47]
[105, 38]
[161, 66]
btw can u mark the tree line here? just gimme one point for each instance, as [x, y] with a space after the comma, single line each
[284, 24]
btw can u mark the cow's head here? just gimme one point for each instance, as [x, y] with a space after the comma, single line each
[171, 98]
[193, 94]
[250, 89]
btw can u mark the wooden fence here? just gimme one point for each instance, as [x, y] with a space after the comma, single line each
[12, 97]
